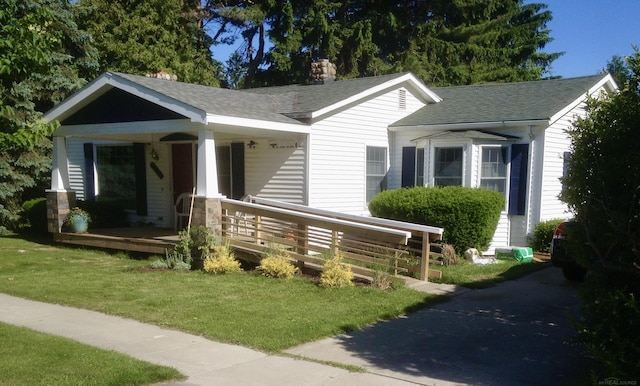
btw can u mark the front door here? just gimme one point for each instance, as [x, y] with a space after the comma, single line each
[183, 168]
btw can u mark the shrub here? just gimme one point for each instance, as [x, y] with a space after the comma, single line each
[35, 212]
[335, 274]
[276, 264]
[222, 260]
[601, 189]
[469, 216]
[542, 235]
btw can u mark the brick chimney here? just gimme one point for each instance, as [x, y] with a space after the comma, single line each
[323, 71]
[163, 75]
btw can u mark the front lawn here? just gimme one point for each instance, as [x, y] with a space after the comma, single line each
[470, 275]
[33, 358]
[246, 309]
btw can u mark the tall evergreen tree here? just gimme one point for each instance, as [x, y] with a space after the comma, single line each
[142, 37]
[44, 57]
[444, 42]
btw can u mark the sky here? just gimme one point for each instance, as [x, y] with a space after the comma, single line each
[591, 32]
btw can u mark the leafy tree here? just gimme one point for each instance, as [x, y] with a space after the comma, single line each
[44, 57]
[142, 37]
[603, 190]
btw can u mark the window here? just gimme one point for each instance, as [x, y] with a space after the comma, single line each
[493, 172]
[420, 167]
[115, 169]
[448, 166]
[376, 171]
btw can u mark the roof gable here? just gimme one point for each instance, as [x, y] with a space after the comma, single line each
[505, 103]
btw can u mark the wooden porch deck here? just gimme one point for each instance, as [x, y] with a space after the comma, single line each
[133, 239]
[309, 234]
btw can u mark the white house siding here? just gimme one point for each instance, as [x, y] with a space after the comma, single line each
[75, 163]
[275, 169]
[338, 151]
[556, 143]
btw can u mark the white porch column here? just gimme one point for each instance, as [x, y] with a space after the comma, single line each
[207, 183]
[59, 171]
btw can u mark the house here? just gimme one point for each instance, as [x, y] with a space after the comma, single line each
[141, 141]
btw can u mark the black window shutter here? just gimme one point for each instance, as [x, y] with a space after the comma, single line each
[141, 179]
[237, 170]
[408, 166]
[518, 181]
[89, 178]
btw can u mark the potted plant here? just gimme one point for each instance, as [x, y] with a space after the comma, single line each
[78, 220]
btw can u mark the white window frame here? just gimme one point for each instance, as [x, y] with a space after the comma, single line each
[448, 145]
[507, 165]
[383, 176]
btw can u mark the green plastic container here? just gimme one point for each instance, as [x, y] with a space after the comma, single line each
[521, 254]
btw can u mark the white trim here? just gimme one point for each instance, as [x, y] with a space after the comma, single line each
[258, 124]
[606, 82]
[107, 81]
[113, 129]
[472, 125]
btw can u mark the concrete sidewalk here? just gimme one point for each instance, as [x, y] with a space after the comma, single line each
[204, 362]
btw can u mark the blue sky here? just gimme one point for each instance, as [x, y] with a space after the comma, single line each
[591, 32]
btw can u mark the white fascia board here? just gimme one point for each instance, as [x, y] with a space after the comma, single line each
[115, 129]
[607, 83]
[413, 84]
[107, 81]
[193, 113]
[94, 89]
[257, 124]
[471, 125]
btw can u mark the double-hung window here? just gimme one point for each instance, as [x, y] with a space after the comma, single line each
[420, 166]
[376, 170]
[493, 171]
[448, 166]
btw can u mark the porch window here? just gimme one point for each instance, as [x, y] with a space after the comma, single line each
[376, 170]
[493, 173]
[115, 169]
[448, 166]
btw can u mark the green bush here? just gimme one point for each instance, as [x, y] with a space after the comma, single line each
[335, 274]
[469, 216]
[602, 190]
[35, 212]
[542, 235]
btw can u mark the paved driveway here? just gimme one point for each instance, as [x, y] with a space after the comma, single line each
[515, 333]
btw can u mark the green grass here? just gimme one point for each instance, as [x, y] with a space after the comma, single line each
[251, 310]
[33, 358]
[470, 275]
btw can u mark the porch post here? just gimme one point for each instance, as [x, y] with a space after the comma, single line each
[207, 209]
[207, 166]
[59, 170]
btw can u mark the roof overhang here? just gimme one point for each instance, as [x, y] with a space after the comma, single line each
[607, 84]
[407, 80]
[108, 81]
[468, 134]
[471, 125]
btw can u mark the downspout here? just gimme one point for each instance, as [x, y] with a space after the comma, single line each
[532, 145]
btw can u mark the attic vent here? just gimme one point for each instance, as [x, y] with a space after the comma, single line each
[402, 99]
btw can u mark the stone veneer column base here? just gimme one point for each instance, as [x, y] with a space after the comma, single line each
[207, 212]
[58, 205]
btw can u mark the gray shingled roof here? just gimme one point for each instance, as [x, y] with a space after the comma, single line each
[505, 102]
[268, 103]
[215, 100]
[310, 98]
